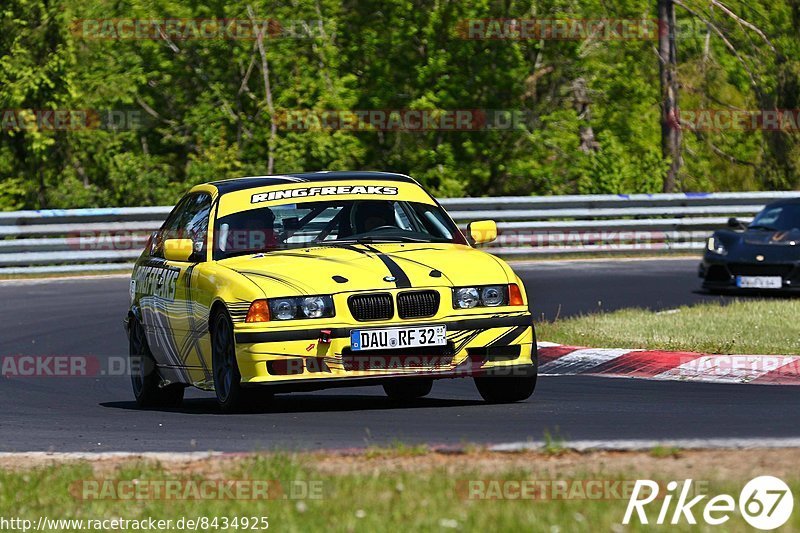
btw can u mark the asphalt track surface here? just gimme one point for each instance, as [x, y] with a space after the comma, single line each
[83, 317]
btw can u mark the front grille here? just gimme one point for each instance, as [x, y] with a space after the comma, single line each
[238, 311]
[417, 304]
[751, 269]
[365, 307]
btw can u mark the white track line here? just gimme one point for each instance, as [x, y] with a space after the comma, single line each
[100, 456]
[577, 445]
[637, 445]
[62, 279]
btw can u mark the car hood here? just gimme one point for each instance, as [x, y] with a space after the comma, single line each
[772, 238]
[343, 268]
[770, 246]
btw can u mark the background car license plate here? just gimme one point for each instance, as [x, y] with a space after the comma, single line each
[376, 339]
[759, 282]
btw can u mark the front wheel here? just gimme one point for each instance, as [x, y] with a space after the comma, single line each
[505, 389]
[145, 379]
[231, 396]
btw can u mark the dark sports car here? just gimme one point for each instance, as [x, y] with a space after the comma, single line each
[762, 255]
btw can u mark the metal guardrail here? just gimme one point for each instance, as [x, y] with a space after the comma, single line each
[109, 239]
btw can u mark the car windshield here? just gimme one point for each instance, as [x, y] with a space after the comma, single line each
[331, 223]
[778, 218]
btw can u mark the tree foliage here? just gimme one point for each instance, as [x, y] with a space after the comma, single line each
[205, 110]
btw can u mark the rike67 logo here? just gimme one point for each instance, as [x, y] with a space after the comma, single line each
[765, 503]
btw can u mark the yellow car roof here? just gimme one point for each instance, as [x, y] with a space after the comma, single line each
[242, 194]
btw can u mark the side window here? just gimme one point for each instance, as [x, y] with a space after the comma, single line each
[195, 226]
[168, 228]
[189, 220]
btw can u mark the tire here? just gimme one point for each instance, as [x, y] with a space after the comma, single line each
[505, 389]
[408, 389]
[231, 396]
[145, 379]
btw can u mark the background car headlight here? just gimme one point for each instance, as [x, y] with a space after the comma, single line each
[715, 246]
[466, 298]
[301, 307]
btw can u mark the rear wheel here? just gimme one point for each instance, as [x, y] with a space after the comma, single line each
[231, 396]
[145, 378]
[505, 389]
[408, 389]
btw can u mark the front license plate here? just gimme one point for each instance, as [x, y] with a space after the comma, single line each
[759, 282]
[395, 338]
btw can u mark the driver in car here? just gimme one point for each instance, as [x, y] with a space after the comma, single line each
[248, 231]
[369, 215]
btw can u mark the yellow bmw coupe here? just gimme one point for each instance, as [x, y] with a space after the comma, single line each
[262, 285]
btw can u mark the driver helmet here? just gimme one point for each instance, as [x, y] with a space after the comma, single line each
[370, 214]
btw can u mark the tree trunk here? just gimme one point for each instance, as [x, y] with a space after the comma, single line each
[581, 100]
[668, 63]
[273, 126]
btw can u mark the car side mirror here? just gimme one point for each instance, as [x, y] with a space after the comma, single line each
[482, 231]
[735, 223]
[178, 249]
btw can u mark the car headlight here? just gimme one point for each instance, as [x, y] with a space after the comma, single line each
[715, 246]
[314, 306]
[290, 308]
[485, 296]
[493, 295]
[466, 298]
[283, 308]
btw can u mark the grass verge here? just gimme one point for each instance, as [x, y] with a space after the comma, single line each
[741, 327]
[394, 490]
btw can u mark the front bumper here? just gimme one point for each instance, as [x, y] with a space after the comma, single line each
[496, 344]
[721, 274]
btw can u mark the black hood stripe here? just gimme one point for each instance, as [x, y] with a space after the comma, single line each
[401, 279]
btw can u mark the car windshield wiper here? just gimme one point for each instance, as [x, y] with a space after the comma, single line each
[375, 240]
[762, 227]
